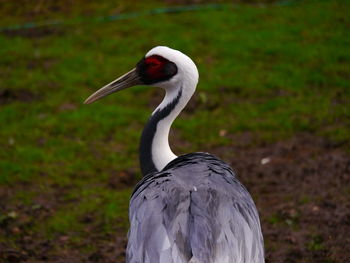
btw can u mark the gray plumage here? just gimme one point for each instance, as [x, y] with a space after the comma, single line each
[195, 210]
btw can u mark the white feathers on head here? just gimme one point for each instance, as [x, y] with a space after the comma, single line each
[187, 69]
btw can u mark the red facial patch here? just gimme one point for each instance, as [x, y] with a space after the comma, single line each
[155, 65]
[155, 69]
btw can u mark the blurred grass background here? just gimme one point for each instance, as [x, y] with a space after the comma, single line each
[271, 70]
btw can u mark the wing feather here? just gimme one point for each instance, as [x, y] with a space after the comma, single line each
[195, 213]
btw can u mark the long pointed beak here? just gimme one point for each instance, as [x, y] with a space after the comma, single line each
[126, 81]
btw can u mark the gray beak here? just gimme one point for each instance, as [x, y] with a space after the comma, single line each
[126, 81]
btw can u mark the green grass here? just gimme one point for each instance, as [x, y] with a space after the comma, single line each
[110, 207]
[316, 243]
[275, 72]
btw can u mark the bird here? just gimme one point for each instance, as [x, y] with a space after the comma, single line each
[190, 208]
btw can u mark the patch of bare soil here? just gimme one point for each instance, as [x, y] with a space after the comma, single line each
[302, 190]
[301, 187]
[27, 244]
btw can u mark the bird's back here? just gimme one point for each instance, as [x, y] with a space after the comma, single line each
[194, 211]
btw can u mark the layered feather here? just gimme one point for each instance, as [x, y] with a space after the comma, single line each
[194, 211]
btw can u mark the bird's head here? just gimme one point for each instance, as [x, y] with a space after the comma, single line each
[161, 67]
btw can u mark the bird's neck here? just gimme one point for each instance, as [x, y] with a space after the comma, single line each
[155, 152]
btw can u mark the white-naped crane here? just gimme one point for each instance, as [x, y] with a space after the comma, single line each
[189, 208]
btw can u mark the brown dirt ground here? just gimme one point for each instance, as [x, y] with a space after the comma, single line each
[301, 187]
